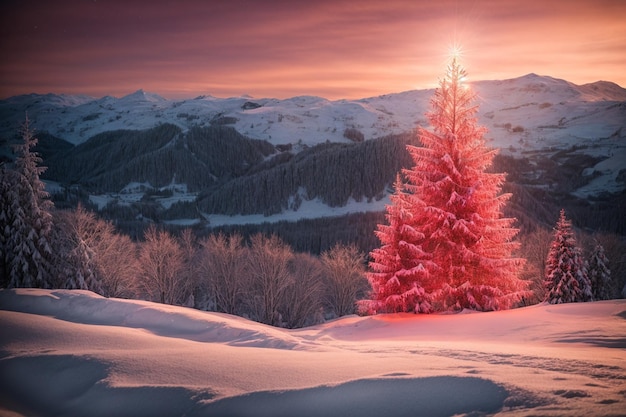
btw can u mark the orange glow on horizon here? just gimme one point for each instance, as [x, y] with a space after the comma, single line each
[335, 49]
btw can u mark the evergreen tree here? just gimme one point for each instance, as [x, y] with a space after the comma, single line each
[28, 163]
[566, 276]
[453, 246]
[25, 220]
[600, 274]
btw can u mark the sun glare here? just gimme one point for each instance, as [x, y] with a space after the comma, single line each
[455, 51]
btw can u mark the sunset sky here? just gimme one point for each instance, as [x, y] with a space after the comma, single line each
[285, 48]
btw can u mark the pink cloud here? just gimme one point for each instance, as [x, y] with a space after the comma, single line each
[338, 48]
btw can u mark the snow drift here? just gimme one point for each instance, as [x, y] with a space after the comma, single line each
[74, 353]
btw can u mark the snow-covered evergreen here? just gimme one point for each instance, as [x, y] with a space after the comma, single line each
[25, 220]
[447, 245]
[600, 274]
[35, 250]
[28, 163]
[566, 274]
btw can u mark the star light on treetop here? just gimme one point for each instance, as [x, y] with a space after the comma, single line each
[455, 55]
[455, 51]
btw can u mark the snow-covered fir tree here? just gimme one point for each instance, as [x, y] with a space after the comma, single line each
[25, 220]
[28, 163]
[447, 245]
[566, 275]
[599, 274]
[29, 232]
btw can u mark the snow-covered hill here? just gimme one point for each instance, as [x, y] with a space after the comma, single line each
[526, 116]
[74, 353]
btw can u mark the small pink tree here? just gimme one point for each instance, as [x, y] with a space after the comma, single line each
[447, 245]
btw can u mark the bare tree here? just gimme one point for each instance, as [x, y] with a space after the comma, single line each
[223, 267]
[161, 263]
[76, 260]
[268, 263]
[534, 248]
[344, 276]
[189, 247]
[302, 302]
[113, 256]
[118, 266]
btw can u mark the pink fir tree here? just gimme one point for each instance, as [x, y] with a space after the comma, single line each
[566, 276]
[446, 234]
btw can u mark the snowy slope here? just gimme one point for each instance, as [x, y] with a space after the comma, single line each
[74, 353]
[532, 101]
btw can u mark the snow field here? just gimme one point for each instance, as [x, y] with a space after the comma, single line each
[75, 353]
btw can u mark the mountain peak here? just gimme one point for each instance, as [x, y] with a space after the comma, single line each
[141, 95]
[603, 90]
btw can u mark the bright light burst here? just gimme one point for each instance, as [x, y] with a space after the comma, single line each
[455, 51]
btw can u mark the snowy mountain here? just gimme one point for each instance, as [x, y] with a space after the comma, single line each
[552, 111]
[74, 353]
[571, 138]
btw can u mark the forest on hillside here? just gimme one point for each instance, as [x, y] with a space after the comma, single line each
[127, 250]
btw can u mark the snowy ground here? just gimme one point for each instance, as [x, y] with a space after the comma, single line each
[73, 353]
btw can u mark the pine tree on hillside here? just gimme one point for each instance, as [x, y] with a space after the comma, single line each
[18, 240]
[25, 220]
[600, 274]
[566, 276]
[28, 163]
[451, 236]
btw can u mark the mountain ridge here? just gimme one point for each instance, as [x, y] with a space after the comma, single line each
[559, 141]
[77, 118]
[82, 98]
